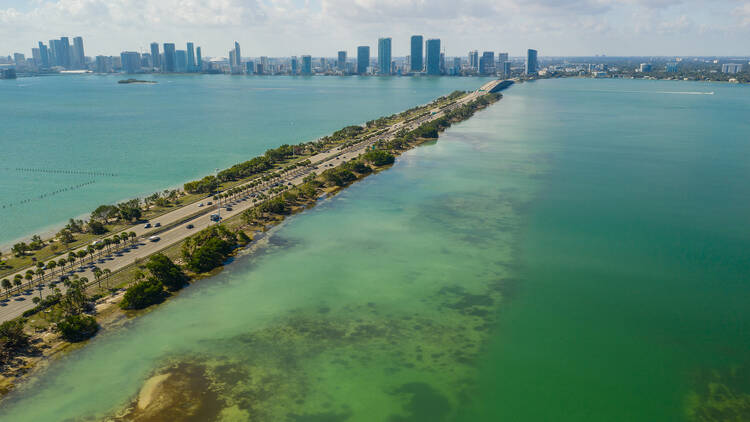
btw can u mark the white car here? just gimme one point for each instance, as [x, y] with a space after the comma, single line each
[154, 239]
[200, 205]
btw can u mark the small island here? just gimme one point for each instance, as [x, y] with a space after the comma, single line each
[135, 81]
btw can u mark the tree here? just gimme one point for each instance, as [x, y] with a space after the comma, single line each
[378, 157]
[40, 273]
[75, 300]
[6, 285]
[52, 265]
[166, 272]
[81, 255]
[66, 237]
[97, 227]
[61, 262]
[143, 294]
[75, 328]
[106, 274]
[17, 280]
[12, 337]
[98, 276]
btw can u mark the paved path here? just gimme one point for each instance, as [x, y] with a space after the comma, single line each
[174, 224]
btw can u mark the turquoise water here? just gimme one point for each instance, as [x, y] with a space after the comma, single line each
[576, 252]
[103, 142]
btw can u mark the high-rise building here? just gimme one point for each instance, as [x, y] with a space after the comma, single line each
[502, 57]
[103, 64]
[237, 54]
[532, 66]
[199, 60]
[363, 59]
[306, 65]
[52, 53]
[506, 69]
[78, 54]
[487, 63]
[731, 68]
[180, 62]
[19, 59]
[433, 56]
[295, 65]
[131, 61]
[645, 67]
[44, 56]
[341, 62]
[250, 67]
[323, 64]
[384, 56]
[155, 58]
[36, 56]
[64, 52]
[417, 54]
[190, 57]
[474, 60]
[456, 65]
[170, 58]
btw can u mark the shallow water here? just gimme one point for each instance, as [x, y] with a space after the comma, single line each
[571, 253]
[81, 141]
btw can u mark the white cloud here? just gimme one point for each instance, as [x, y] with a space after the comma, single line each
[285, 27]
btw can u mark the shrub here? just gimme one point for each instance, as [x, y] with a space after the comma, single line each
[12, 335]
[75, 328]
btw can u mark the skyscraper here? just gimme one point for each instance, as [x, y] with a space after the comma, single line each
[384, 56]
[417, 53]
[52, 53]
[44, 56]
[341, 62]
[433, 56]
[237, 55]
[506, 69]
[531, 62]
[80, 58]
[306, 65]
[180, 62]
[170, 58]
[199, 58]
[502, 57]
[190, 57]
[64, 52]
[155, 58]
[474, 60]
[487, 63]
[363, 59]
[295, 65]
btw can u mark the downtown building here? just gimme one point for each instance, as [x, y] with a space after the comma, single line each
[363, 59]
[433, 56]
[384, 56]
[416, 59]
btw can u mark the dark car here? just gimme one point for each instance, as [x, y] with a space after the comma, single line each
[190, 226]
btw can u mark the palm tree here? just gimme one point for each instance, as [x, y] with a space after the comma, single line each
[82, 255]
[91, 251]
[40, 273]
[98, 276]
[106, 273]
[132, 237]
[7, 285]
[52, 265]
[61, 262]
[17, 281]
[107, 243]
[72, 258]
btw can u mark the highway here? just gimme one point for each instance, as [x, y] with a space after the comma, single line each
[174, 224]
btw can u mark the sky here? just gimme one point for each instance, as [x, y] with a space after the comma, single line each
[322, 27]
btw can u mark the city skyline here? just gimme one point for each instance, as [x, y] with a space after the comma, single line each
[560, 28]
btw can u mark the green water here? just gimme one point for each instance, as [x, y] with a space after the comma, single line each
[81, 141]
[575, 252]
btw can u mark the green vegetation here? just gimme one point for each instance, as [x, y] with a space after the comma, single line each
[338, 176]
[75, 328]
[12, 339]
[209, 248]
[378, 157]
[143, 294]
[166, 272]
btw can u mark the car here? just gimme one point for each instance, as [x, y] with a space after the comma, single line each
[154, 239]
[228, 208]
[147, 226]
[209, 203]
[157, 225]
[200, 205]
[190, 226]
